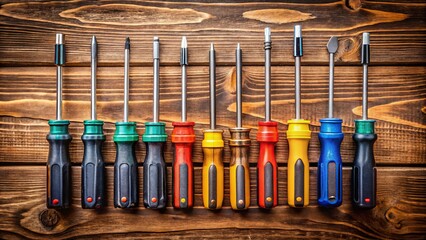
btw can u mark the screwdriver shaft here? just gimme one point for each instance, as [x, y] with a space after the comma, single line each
[156, 57]
[297, 53]
[94, 53]
[184, 63]
[212, 68]
[59, 93]
[365, 92]
[267, 46]
[126, 80]
[238, 54]
[297, 87]
[331, 86]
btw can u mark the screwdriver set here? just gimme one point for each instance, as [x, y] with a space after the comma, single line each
[183, 137]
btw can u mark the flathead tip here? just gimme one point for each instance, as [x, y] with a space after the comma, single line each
[297, 31]
[59, 38]
[127, 45]
[211, 47]
[156, 38]
[238, 46]
[267, 34]
[366, 38]
[332, 44]
[184, 43]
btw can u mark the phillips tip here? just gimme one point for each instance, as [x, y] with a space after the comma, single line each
[297, 31]
[267, 34]
[94, 40]
[59, 38]
[184, 43]
[332, 45]
[127, 44]
[366, 38]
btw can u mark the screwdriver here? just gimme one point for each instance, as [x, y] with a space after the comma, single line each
[125, 138]
[213, 148]
[239, 144]
[93, 166]
[267, 136]
[183, 137]
[298, 135]
[364, 171]
[58, 162]
[154, 166]
[330, 136]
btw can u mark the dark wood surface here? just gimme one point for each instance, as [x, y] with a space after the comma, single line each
[397, 100]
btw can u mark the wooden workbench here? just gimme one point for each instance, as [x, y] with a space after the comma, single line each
[397, 93]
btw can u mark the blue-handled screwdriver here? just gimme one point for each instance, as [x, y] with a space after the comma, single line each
[330, 136]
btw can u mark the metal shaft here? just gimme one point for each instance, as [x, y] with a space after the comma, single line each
[238, 55]
[212, 68]
[94, 56]
[156, 57]
[267, 46]
[184, 63]
[59, 41]
[365, 60]
[126, 79]
[331, 86]
[298, 53]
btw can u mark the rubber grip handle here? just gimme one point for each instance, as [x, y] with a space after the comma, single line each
[154, 169]
[298, 136]
[93, 173]
[126, 176]
[183, 176]
[58, 165]
[330, 182]
[364, 173]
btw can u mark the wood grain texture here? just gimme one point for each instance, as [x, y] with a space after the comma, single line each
[397, 30]
[27, 101]
[399, 214]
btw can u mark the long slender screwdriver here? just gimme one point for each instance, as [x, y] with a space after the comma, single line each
[364, 170]
[58, 163]
[154, 166]
[183, 137]
[267, 136]
[298, 135]
[213, 148]
[239, 144]
[93, 166]
[330, 136]
[125, 138]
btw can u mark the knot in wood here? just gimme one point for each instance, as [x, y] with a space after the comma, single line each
[353, 4]
[49, 218]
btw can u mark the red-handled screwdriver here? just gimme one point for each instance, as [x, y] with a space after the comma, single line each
[183, 137]
[267, 136]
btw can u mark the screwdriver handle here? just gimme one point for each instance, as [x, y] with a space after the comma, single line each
[58, 165]
[125, 166]
[267, 168]
[213, 169]
[183, 137]
[330, 163]
[239, 168]
[364, 172]
[154, 166]
[298, 136]
[93, 166]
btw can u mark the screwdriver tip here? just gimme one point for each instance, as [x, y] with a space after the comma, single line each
[59, 38]
[184, 43]
[332, 44]
[267, 34]
[156, 39]
[297, 31]
[127, 44]
[94, 40]
[366, 38]
[238, 46]
[211, 47]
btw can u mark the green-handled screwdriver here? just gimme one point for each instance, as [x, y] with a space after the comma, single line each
[364, 170]
[58, 163]
[93, 166]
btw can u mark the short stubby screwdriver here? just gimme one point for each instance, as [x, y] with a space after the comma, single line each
[364, 171]
[154, 166]
[58, 162]
[239, 144]
[93, 166]
[298, 135]
[125, 138]
[330, 136]
[183, 137]
[213, 148]
[267, 136]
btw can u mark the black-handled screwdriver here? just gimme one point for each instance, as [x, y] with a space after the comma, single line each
[125, 138]
[93, 166]
[364, 170]
[58, 162]
[154, 166]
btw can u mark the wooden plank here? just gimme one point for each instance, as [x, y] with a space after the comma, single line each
[396, 99]
[400, 213]
[28, 34]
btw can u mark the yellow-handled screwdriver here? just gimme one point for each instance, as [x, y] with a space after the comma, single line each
[239, 144]
[213, 149]
[298, 135]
